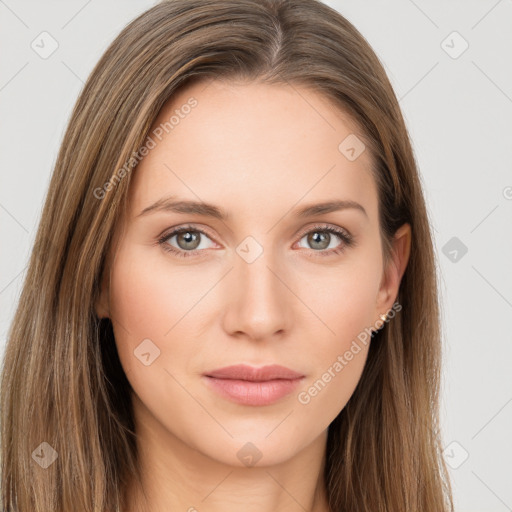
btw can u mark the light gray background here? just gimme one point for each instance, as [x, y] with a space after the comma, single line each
[459, 113]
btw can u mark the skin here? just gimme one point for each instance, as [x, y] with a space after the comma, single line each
[259, 152]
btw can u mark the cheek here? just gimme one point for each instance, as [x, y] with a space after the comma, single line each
[138, 297]
[151, 293]
[343, 299]
[149, 301]
[145, 304]
[345, 309]
[150, 298]
[338, 357]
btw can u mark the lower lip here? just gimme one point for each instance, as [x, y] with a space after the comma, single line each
[253, 393]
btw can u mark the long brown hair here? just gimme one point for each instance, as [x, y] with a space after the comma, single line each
[62, 382]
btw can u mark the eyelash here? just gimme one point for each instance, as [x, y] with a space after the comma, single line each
[346, 238]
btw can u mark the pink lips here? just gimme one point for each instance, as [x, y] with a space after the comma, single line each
[248, 385]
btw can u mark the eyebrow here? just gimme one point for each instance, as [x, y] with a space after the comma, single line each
[171, 204]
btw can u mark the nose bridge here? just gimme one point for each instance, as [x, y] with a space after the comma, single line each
[258, 302]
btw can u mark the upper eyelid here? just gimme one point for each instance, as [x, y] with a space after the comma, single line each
[321, 226]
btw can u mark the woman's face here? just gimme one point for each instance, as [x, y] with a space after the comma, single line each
[264, 285]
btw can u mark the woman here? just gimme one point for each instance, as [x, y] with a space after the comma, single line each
[231, 302]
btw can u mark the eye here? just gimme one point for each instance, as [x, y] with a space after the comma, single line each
[320, 238]
[188, 240]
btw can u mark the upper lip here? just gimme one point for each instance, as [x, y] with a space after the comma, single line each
[252, 373]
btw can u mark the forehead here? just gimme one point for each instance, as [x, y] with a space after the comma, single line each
[250, 146]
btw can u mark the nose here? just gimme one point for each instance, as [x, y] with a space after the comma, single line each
[259, 303]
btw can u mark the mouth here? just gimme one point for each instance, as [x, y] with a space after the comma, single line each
[247, 385]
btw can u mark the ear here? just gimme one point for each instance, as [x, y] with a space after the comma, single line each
[395, 268]
[101, 305]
